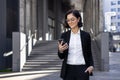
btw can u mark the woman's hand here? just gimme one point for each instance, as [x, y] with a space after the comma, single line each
[89, 69]
[62, 47]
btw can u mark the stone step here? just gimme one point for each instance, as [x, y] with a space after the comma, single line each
[57, 60]
[44, 54]
[43, 63]
[43, 57]
[40, 69]
[45, 51]
[42, 66]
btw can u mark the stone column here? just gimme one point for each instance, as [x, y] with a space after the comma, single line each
[94, 19]
[58, 18]
[105, 51]
[2, 32]
[34, 21]
[45, 19]
[19, 51]
[101, 16]
[19, 40]
[40, 26]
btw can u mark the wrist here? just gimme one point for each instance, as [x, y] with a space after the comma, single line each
[60, 51]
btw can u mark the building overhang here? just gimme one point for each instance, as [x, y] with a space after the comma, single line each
[76, 4]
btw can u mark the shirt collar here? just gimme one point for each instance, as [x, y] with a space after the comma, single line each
[76, 33]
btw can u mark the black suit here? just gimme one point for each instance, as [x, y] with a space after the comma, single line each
[86, 47]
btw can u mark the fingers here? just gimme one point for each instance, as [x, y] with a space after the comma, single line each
[60, 43]
[65, 46]
[89, 69]
[86, 70]
[62, 47]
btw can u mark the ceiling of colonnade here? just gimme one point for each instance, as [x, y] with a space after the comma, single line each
[78, 4]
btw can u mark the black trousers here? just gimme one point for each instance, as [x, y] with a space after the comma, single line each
[76, 72]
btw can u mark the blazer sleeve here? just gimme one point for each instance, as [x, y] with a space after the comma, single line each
[89, 51]
[62, 55]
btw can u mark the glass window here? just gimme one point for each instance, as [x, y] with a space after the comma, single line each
[113, 23]
[118, 23]
[113, 9]
[113, 3]
[118, 9]
[118, 2]
[51, 22]
[113, 17]
[51, 25]
[118, 16]
[51, 5]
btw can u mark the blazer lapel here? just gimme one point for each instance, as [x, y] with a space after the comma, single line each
[68, 37]
[82, 38]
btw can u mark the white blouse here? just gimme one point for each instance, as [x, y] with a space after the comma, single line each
[75, 53]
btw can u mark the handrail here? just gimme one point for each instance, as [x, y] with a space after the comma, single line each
[97, 45]
[8, 53]
[26, 42]
[11, 52]
[91, 31]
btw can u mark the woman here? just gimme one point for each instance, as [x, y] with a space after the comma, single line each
[76, 50]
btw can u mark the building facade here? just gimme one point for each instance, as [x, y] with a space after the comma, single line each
[112, 22]
[24, 22]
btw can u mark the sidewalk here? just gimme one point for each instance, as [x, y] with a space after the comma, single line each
[31, 75]
[113, 74]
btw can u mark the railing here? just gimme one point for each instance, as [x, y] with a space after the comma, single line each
[94, 39]
[27, 42]
[8, 54]
[96, 51]
[21, 49]
[101, 42]
[11, 52]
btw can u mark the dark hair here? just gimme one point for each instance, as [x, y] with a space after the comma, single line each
[76, 14]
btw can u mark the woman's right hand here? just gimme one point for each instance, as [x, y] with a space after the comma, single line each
[62, 46]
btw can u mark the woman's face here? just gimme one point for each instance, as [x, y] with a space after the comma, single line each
[72, 21]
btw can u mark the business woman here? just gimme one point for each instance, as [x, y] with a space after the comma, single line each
[75, 49]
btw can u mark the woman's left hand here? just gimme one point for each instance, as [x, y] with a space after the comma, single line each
[89, 69]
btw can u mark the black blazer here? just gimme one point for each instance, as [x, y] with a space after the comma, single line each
[86, 47]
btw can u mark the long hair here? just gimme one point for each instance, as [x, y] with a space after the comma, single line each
[76, 14]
